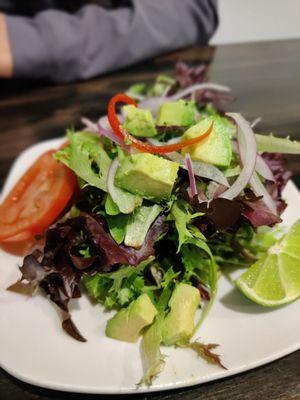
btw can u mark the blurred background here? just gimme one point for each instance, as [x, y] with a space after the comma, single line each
[255, 51]
[257, 20]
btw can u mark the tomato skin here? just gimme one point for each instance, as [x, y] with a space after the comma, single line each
[20, 237]
[36, 200]
[21, 247]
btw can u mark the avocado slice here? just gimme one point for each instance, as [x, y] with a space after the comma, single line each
[147, 175]
[179, 324]
[216, 148]
[139, 122]
[127, 324]
[180, 113]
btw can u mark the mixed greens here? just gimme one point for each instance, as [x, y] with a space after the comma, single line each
[170, 192]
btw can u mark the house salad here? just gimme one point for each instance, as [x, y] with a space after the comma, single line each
[143, 210]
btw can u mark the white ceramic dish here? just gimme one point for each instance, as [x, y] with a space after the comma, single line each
[35, 349]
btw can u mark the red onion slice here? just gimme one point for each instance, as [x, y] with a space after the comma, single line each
[214, 190]
[209, 171]
[201, 169]
[89, 125]
[110, 135]
[201, 196]
[248, 156]
[247, 149]
[103, 121]
[192, 180]
[263, 169]
[199, 86]
[260, 166]
[176, 157]
[255, 122]
[154, 103]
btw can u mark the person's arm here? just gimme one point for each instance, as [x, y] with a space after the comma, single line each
[6, 67]
[64, 47]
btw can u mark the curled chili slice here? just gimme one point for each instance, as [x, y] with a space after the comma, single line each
[138, 144]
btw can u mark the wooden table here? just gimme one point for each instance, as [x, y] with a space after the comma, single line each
[265, 79]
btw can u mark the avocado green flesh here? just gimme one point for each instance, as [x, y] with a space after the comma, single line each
[139, 122]
[180, 113]
[147, 175]
[215, 149]
[127, 324]
[179, 323]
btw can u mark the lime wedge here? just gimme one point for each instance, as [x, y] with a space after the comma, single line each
[274, 279]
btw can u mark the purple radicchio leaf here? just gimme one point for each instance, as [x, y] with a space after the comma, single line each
[276, 163]
[59, 269]
[256, 211]
[223, 214]
[112, 253]
[186, 76]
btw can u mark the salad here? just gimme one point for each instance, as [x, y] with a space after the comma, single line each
[143, 211]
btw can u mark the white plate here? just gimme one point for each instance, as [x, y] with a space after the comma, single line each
[35, 349]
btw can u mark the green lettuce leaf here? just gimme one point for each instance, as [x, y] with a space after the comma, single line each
[272, 144]
[120, 287]
[182, 217]
[125, 201]
[153, 359]
[200, 265]
[117, 225]
[138, 88]
[161, 84]
[111, 207]
[167, 285]
[139, 224]
[85, 156]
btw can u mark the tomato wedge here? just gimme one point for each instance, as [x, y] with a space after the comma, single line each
[138, 144]
[36, 200]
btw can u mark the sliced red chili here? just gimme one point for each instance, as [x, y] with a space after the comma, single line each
[138, 144]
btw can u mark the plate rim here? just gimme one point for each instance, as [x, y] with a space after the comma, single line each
[126, 390]
[144, 389]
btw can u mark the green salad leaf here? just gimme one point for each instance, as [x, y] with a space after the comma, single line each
[138, 88]
[273, 144]
[85, 156]
[117, 225]
[120, 287]
[182, 217]
[139, 224]
[153, 359]
[167, 285]
[126, 201]
[111, 207]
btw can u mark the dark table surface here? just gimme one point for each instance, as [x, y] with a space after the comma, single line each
[265, 78]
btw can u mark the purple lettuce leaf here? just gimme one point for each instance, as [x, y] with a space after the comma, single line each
[276, 163]
[60, 267]
[186, 76]
[256, 211]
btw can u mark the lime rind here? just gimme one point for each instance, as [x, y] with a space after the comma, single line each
[274, 280]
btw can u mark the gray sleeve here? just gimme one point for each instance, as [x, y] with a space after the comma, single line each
[64, 47]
